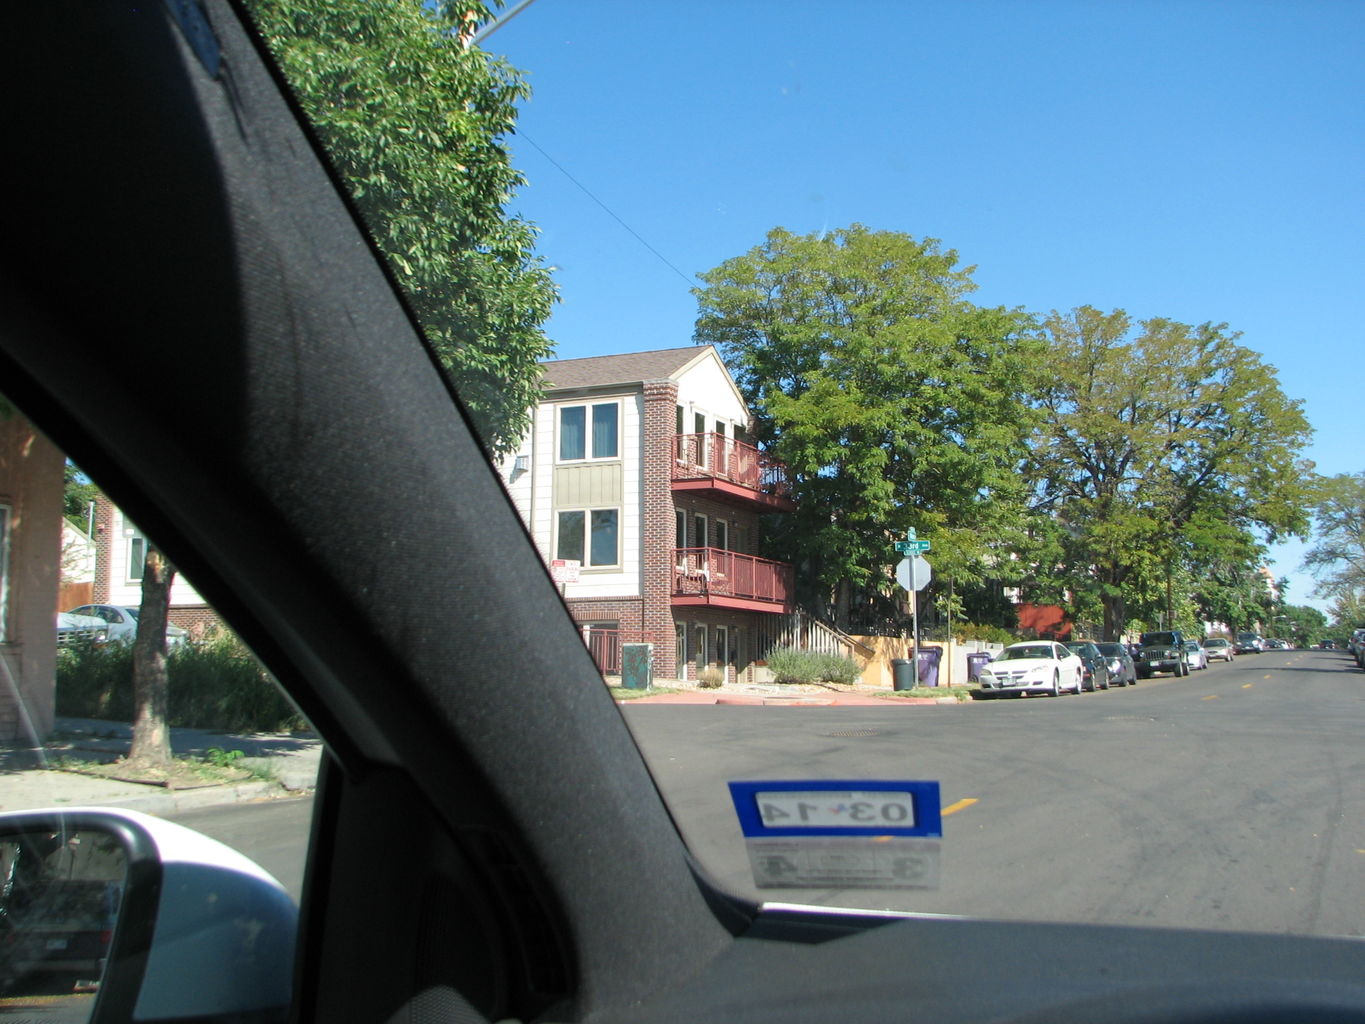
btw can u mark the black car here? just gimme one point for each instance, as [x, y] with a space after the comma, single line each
[1122, 669]
[1096, 665]
[1163, 651]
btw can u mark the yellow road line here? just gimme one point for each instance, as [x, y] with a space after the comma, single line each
[1247, 686]
[1212, 696]
[960, 805]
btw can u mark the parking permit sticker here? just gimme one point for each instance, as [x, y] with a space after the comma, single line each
[841, 834]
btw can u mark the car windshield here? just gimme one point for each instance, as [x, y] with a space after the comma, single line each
[787, 333]
[1023, 653]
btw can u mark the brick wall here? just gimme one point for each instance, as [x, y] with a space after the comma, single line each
[661, 402]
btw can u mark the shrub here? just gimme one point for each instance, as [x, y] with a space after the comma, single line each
[988, 634]
[789, 665]
[215, 683]
[710, 678]
[835, 668]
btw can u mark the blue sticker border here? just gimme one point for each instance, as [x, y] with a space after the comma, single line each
[928, 819]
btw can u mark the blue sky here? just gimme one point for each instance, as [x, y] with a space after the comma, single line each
[1202, 161]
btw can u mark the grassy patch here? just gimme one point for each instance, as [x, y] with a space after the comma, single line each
[958, 693]
[622, 693]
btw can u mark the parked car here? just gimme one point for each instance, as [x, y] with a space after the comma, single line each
[1250, 643]
[121, 620]
[1118, 659]
[75, 629]
[59, 927]
[1163, 651]
[1219, 647]
[1035, 666]
[1096, 676]
[1198, 657]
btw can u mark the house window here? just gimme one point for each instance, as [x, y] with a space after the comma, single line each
[679, 528]
[4, 572]
[701, 648]
[720, 535]
[699, 531]
[589, 431]
[137, 555]
[722, 648]
[680, 650]
[590, 536]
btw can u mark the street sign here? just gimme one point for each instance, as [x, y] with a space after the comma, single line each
[914, 573]
[911, 545]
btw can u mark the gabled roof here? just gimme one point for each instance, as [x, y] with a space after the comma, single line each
[627, 368]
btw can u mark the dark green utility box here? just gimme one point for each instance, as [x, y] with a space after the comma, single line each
[637, 666]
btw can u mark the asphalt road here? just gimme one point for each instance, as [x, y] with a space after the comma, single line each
[1230, 799]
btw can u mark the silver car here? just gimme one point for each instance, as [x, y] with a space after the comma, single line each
[1199, 658]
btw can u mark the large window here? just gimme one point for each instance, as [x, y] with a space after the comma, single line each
[590, 536]
[589, 431]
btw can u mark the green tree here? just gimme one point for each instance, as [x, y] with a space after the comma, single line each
[1337, 560]
[415, 120]
[78, 493]
[894, 402]
[1162, 447]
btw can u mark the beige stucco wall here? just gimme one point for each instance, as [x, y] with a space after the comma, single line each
[31, 486]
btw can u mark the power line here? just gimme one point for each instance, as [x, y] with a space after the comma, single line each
[584, 189]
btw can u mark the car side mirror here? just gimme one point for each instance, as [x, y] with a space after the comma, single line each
[139, 918]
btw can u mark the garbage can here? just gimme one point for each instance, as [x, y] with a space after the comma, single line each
[976, 661]
[928, 665]
[902, 676]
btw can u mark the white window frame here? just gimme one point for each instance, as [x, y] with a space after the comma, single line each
[587, 408]
[586, 562]
[132, 535]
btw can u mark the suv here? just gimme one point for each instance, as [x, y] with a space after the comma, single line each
[1163, 652]
[1250, 643]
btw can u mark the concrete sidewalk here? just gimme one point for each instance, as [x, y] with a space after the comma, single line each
[764, 698]
[26, 782]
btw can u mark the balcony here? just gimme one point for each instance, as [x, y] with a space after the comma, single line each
[726, 579]
[722, 467]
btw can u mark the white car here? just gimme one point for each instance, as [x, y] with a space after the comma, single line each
[1036, 666]
[1199, 658]
[122, 622]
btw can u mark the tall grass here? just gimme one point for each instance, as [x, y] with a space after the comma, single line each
[215, 683]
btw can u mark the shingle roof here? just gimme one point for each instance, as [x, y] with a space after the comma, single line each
[627, 368]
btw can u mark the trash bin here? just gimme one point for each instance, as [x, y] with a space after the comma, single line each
[976, 661]
[637, 666]
[928, 665]
[902, 677]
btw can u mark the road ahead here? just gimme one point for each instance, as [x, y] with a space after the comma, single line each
[1234, 798]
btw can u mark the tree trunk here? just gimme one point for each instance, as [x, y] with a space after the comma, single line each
[1115, 616]
[151, 735]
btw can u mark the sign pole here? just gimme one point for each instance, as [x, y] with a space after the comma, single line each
[914, 613]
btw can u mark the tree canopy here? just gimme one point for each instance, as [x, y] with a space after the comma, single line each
[1337, 560]
[414, 120]
[1161, 445]
[894, 401]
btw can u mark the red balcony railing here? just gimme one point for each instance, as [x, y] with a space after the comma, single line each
[717, 576]
[722, 458]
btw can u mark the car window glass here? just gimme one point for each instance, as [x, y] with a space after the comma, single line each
[241, 762]
[638, 505]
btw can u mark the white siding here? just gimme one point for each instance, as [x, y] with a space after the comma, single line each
[122, 590]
